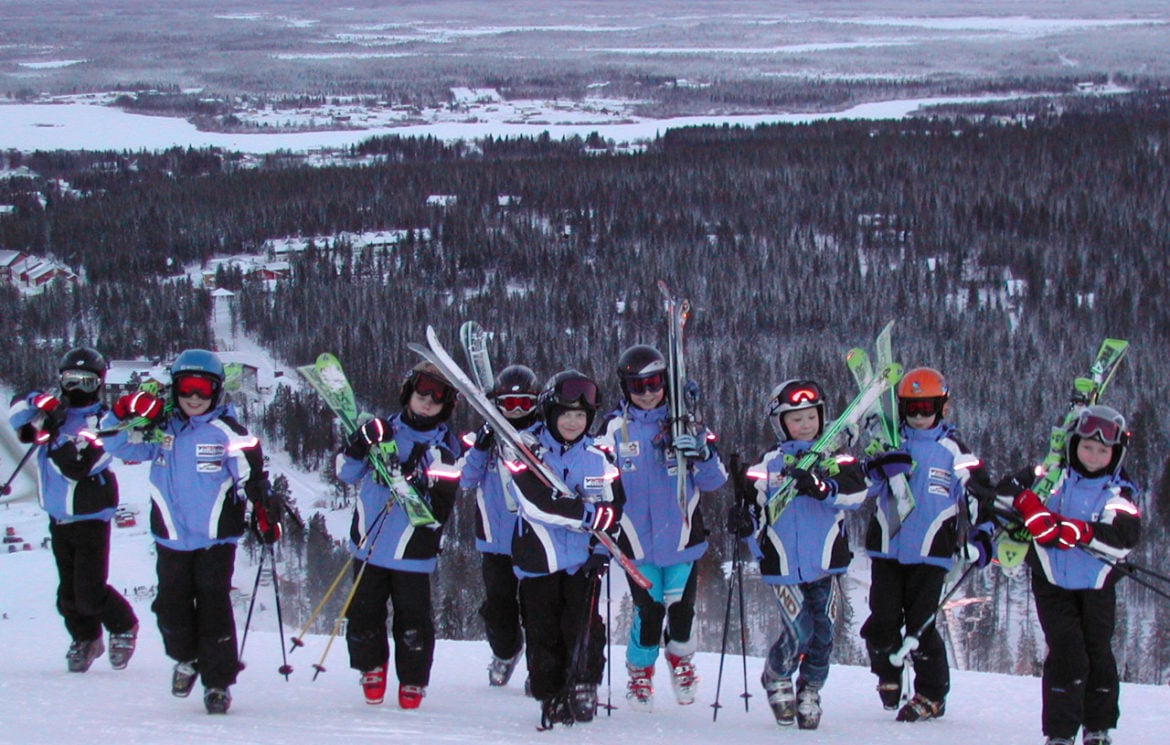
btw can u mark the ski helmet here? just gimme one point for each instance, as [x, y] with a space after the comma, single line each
[794, 395]
[82, 373]
[198, 363]
[1103, 424]
[516, 388]
[569, 389]
[923, 391]
[427, 380]
[641, 362]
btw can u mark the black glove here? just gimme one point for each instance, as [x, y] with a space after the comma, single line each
[1012, 484]
[606, 518]
[365, 437]
[889, 464]
[485, 437]
[809, 484]
[596, 565]
[739, 521]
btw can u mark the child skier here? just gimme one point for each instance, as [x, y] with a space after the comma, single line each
[399, 557]
[79, 492]
[514, 394]
[1086, 526]
[204, 464]
[554, 556]
[668, 542]
[908, 569]
[802, 550]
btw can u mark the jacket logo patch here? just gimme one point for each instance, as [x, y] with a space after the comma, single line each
[629, 449]
[211, 466]
[938, 489]
[208, 450]
[168, 442]
[940, 474]
[594, 483]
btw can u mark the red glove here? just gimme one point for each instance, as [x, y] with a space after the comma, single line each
[1071, 532]
[45, 402]
[1039, 521]
[140, 404]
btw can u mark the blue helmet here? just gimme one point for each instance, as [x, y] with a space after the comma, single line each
[203, 364]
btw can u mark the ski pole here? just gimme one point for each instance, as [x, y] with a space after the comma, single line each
[910, 643]
[726, 627]
[285, 669]
[7, 488]
[609, 707]
[742, 627]
[1129, 570]
[251, 606]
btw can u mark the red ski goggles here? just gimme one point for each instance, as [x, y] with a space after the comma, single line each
[193, 386]
[921, 407]
[1106, 430]
[517, 402]
[648, 384]
[439, 391]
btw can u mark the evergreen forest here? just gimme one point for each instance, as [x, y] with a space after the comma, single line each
[1005, 240]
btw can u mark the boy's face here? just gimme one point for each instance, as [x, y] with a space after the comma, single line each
[920, 421]
[424, 406]
[571, 424]
[193, 405]
[802, 424]
[647, 399]
[1094, 456]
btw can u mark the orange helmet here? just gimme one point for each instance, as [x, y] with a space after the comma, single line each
[922, 392]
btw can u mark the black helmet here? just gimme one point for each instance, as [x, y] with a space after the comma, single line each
[433, 383]
[794, 395]
[517, 380]
[1103, 424]
[640, 361]
[82, 373]
[569, 389]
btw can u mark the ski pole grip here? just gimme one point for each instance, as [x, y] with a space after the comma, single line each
[898, 658]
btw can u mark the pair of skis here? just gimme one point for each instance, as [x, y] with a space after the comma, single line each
[682, 395]
[327, 377]
[1012, 546]
[880, 422]
[513, 443]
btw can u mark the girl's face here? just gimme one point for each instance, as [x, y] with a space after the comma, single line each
[802, 424]
[193, 405]
[571, 424]
[424, 406]
[1094, 456]
[647, 400]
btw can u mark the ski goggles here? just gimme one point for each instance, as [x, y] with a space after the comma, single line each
[1108, 430]
[438, 391]
[516, 402]
[577, 392]
[80, 380]
[193, 386]
[920, 407]
[652, 383]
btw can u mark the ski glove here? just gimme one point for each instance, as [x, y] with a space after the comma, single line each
[739, 521]
[605, 517]
[485, 437]
[1038, 520]
[1071, 532]
[596, 565]
[141, 404]
[365, 437]
[889, 464]
[692, 448]
[811, 485]
[45, 402]
[980, 548]
[266, 516]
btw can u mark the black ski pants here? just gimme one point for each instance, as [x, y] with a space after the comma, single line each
[413, 626]
[904, 596]
[566, 636]
[194, 610]
[84, 598]
[1080, 672]
[501, 605]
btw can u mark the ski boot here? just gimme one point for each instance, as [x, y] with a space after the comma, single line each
[1059, 741]
[682, 678]
[81, 654]
[217, 700]
[920, 708]
[808, 707]
[374, 685]
[183, 679]
[640, 688]
[555, 710]
[890, 692]
[409, 697]
[583, 702]
[782, 699]
[500, 669]
[1097, 737]
[122, 647]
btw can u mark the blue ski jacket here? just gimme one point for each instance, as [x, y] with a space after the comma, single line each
[652, 520]
[495, 507]
[807, 541]
[380, 532]
[73, 469]
[552, 532]
[203, 470]
[943, 474]
[1106, 503]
